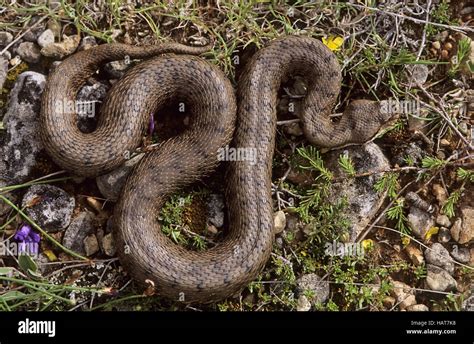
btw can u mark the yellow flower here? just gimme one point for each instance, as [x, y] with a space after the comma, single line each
[431, 232]
[367, 244]
[333, 42]
[405, 240]
[50, 255]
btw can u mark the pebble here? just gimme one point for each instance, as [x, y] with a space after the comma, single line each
[108, 245]
[403, 294]
[444, 236]
[49, 206]
[116, 69]
[362, 198]
[461, 254]
[463, 228]
[319, 288]
[420, 222]
[418, 308]
[29, 52]
[91, 245]
[439, 279]
[61, 49]
[46, 38]
[5, 38]
[110, 185]
[21, 145]
[303, 304]
[279, 220]
[439, 193]
[443, 220]
[81, 226]
[87, 43]
[415, 255]
[439, 256]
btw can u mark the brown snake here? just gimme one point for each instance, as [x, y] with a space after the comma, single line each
[143, 249]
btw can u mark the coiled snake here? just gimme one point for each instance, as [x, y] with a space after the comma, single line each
[146, 252]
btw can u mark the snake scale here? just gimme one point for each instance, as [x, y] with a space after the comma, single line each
[147, 254]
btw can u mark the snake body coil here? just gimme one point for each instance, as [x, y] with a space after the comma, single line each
[146, 252]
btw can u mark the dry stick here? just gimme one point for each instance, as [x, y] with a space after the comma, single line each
[443, 114]
[423, 38]
[418, 21]
[98, 282]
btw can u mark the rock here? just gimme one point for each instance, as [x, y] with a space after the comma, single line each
[404, 295]
[463, 229]
[215, 210]
[363, 201]
[443, 220]
[19, 142]
[108, 245]
[413, 150]
[415, 255]
[318, 289]
[439, 279]
[439, 256]
[388, 302]
[440, 193]
[5, 38]
[461, 254]
[46, 38]
[3, 70]
[418, 308]
[116, 69]
[49, 206]
[7, 55]
[32, 34]
[87, 43]
[417, 74]
[279, 221]
[420, 222]
[29, 52]
[111, 184]
[91, 245]
[468, 304]
[293, 129]
[303, 304]
[444, 235]
[90, 96]
[62, 49]
[81, 226]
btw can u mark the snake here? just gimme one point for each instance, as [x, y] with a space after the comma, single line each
[242, 119]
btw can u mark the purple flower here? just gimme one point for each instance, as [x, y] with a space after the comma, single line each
[151, 125]
[22, 233]
[27, 237]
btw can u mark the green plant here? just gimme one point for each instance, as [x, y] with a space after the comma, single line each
[448, 207]
[388, 182]
[347, 165]
[396, 214]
